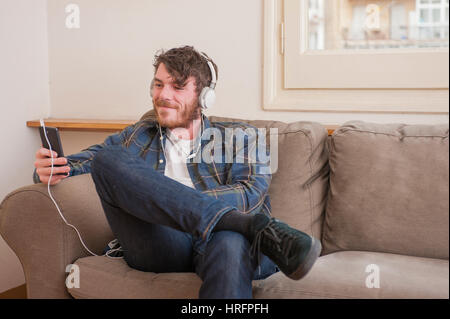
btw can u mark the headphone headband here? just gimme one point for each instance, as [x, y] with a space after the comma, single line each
[212, 85]
[208, 95]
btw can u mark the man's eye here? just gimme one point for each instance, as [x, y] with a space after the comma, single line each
[179, 88]
[158, 85]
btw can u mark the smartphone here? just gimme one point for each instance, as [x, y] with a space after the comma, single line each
[54, 139]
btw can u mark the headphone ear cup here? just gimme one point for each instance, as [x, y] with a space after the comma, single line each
[207, 98]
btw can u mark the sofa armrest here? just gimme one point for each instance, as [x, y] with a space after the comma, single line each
[44, 244]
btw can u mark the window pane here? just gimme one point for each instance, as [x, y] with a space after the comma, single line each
[424, 15]
[377, 24]
[436, 15]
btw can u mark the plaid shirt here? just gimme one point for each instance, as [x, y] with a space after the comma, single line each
[241, 183]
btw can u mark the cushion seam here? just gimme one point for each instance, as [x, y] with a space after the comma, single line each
[342, 131]
[311, 197]
[94, 267]
[284, 291]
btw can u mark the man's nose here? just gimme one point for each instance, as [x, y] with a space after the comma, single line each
[166, 93]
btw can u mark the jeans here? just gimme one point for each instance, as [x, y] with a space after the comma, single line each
[165, 226]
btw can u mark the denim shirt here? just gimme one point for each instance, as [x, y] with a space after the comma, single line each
[240, 182]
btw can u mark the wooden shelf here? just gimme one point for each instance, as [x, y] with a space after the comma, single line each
[102, 125]
[84, 125]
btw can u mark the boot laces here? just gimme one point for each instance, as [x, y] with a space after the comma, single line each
[273, 236]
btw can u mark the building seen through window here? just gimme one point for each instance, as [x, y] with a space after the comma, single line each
[382, 24]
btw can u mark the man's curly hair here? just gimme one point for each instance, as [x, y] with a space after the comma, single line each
[183, 62]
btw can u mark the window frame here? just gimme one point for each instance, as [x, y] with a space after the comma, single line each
[276, 97]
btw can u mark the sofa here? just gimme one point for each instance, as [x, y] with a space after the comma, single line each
[376, 195]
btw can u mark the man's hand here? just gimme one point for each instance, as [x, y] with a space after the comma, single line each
[43, 166]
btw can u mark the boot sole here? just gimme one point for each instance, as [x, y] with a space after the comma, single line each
[311, 257]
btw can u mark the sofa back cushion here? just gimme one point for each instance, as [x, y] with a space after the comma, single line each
[389, 188]
[299, 186]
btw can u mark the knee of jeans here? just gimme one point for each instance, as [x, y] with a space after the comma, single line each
[102, 166]
[231, 246]
[227, 260]
[107, 156]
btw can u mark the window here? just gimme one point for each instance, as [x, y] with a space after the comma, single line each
[431, 25]
[399, 23]
[356, 55]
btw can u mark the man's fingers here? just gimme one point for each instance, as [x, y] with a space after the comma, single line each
[44, 153]
[43, 165]
[46, 162]
[45, 171]
[55, 179]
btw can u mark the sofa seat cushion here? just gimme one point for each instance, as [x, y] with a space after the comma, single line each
[343, 275]
[338, 275]
[107, 278]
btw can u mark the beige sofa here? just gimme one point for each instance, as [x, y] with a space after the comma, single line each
[376, 195]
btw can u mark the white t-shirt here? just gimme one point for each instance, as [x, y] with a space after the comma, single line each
[177, 150]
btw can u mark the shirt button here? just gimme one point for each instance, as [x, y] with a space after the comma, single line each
[161, 161]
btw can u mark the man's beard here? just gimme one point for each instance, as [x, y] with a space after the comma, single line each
[184, 119]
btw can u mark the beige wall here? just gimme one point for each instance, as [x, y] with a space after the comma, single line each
[24, 94]
[103, 69]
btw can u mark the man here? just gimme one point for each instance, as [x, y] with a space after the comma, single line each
[172, 207]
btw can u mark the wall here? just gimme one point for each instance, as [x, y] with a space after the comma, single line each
[103, 69]
[24, 95]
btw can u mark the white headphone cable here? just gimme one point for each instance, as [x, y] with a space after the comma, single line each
[56, 205]
[202, 128]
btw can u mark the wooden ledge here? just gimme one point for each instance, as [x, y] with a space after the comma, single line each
[84, 125]
[102, 125]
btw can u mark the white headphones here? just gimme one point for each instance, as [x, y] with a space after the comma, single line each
[208, 95]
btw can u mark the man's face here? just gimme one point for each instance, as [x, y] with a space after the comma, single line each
[175, 105]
